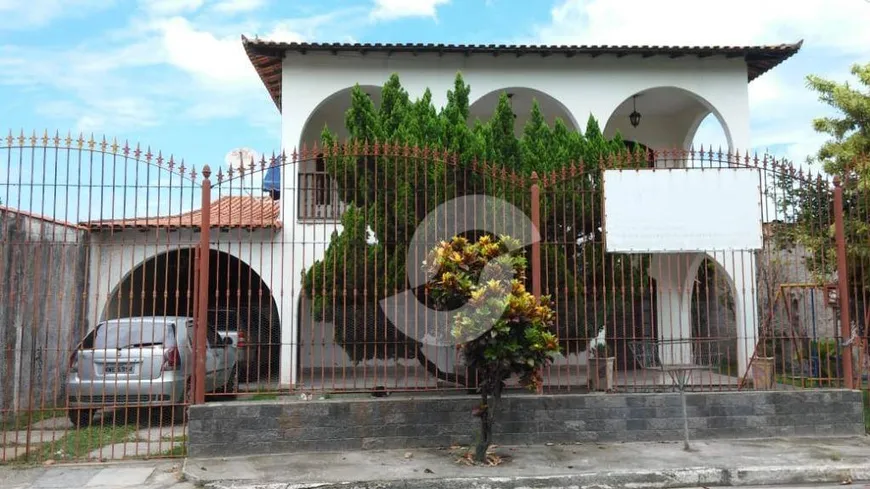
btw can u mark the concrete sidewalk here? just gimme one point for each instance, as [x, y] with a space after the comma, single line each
[629, 465]
[153, 474]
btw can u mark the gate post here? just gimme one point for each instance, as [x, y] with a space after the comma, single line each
[536, 255]
[200, 338]
[536, 245]
[843, 283]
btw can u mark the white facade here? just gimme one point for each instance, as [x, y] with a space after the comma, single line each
[675, 94]
[114, 256]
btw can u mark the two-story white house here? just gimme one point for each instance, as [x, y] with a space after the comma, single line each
[277, 237]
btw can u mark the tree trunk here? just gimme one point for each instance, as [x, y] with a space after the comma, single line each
[485, 428]
[487, 416]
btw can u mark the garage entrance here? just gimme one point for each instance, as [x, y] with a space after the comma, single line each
[240, 304]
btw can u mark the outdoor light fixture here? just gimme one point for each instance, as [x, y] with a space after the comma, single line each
[833, 293]
[634, 117]
[510, 97]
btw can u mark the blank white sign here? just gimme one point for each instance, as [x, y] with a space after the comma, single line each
[676, 210]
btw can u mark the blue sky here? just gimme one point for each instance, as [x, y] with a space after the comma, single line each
[171, 73]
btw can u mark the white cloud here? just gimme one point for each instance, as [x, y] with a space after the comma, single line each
[840, 24]
[21, 14]
[95, 92]
[185, 66]
[782, 107]
[116, 112]
[397, 9]
[170, 7]
[211, 59]
[238, 6]
[767, 89]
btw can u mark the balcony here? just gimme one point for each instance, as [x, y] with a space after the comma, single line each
[318, 198]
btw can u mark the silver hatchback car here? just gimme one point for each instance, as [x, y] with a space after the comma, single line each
[143, 361]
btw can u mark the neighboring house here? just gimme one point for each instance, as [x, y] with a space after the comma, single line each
[801, 305]
[675, 89]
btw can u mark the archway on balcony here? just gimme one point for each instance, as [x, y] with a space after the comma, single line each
[672, 118]
[318, 196]
[521, 100]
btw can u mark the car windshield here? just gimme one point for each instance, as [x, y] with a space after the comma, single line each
[224, 321]
[132, 334]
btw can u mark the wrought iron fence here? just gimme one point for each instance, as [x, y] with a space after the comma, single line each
[133, 286]
[94, 359]
[345, 340]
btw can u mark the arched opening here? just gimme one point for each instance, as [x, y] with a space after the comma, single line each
[331, 113]
[714, 319]
[670, 118]
[318, 195]
[240, 304]
[709, 135]
[521, 99]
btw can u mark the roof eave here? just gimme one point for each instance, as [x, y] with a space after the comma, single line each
[267, 57]
[265, 61]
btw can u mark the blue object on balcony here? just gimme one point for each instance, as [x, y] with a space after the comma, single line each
[272, 182]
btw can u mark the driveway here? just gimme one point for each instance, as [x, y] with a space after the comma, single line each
[49, 437]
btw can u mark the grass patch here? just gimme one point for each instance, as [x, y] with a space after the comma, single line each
[77, 444]
[177, 451]
[808, 382]
[21, 421]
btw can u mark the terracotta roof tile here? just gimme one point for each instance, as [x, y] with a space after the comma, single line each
[241, 212]
[267, 56]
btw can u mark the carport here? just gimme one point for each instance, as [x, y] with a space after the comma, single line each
[146, 267]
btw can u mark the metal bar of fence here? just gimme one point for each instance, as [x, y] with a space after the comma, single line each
[536, 246]
[843, 284]
[201, 318]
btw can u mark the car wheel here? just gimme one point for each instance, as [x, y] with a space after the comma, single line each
[81, 418]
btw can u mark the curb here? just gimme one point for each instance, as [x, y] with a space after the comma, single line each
[628, 479]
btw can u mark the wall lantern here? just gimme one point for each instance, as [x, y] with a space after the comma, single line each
[634, 117]
[832, 293]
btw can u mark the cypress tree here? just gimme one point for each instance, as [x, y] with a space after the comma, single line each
[392, 194]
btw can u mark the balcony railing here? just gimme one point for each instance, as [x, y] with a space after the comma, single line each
[318, 197]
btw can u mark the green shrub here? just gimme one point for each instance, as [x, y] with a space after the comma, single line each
[501, 328]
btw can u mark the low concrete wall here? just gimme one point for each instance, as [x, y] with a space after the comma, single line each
[391, 423]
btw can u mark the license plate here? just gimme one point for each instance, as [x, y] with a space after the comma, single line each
[119, 368]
